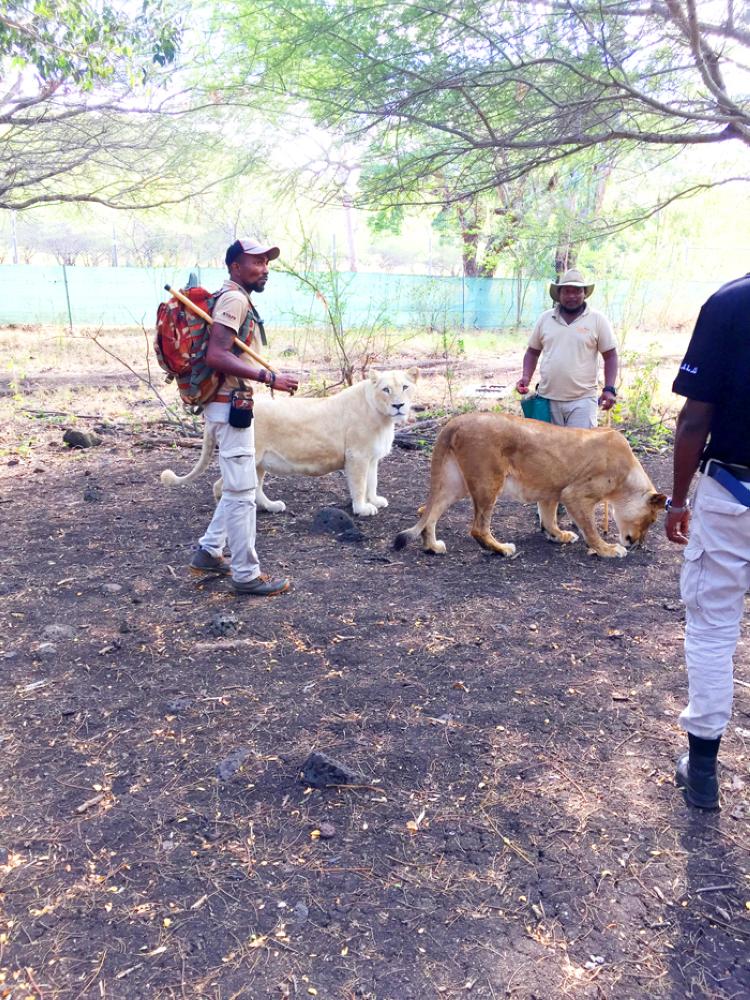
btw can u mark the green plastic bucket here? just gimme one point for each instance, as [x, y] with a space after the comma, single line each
[536, 407]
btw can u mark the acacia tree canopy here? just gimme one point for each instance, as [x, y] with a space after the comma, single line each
[85, 115]
[487, 91]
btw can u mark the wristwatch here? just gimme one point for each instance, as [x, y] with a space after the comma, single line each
[671, 509]
[610, 388]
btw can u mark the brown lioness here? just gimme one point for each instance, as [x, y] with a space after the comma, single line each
[482, 455]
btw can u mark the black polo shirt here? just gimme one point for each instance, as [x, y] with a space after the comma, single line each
[716, 369]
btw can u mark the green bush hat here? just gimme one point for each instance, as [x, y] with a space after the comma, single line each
[571, 277]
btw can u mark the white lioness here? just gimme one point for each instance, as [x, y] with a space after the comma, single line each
[306, 436]
[483, 455]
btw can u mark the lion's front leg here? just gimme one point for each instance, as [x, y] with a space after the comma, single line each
[372, 486]
[484, 495]
[357, 470]
[261, 500]
[582, 513]
[548, 518]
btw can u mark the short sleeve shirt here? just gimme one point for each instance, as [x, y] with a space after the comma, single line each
[231, 310]
[716, 370]
[570, 352]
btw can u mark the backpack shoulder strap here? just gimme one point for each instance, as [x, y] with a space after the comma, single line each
[254, 317]
[260, 324]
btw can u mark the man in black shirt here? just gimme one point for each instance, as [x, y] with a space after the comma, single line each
[713, 433]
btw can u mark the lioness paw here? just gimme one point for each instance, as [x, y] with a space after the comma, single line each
[562, 537]
[609, 552]
[272, 506]
[379, 502]
[364, 509]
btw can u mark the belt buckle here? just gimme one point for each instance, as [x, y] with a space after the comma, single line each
[707, 467]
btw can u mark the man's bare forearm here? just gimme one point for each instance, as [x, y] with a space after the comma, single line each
[693, 426]
[611, 367]
[528, 368]
[222, 359]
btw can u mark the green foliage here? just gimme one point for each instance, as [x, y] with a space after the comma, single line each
[387, 220]
[637, 415]
[355, 347]
[86, 43]
[455, 102]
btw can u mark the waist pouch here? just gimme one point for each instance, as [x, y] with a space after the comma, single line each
[536, 407]
[241, 408]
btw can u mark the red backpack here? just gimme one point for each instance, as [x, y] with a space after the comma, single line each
[181, 342]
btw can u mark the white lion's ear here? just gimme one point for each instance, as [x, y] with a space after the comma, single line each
[413, 374]
[374, 376]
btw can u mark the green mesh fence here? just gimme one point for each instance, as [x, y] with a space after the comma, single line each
[128, 296]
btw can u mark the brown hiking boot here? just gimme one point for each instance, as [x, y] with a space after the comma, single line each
[203, 562]
[262, 586]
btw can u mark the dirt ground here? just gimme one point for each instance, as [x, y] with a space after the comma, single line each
[515, 833]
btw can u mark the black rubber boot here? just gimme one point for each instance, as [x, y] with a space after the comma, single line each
[697, 773]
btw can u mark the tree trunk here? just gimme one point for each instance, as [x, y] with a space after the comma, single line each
[565, 257]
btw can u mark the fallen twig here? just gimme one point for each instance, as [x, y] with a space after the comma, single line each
[126, 972]
[508, 842]
[414, 864]
[146, 381]
[30, 974]
[168, 442]
[94, 800]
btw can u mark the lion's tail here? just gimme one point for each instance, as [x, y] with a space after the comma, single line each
[403, 538]
[169, 478]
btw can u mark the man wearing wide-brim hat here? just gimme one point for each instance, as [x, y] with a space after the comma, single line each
[569, 339]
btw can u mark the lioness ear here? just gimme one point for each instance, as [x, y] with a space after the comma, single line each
[658, 500]
[374, 376]
[413, 374]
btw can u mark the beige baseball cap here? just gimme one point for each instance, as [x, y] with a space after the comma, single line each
[251, 246]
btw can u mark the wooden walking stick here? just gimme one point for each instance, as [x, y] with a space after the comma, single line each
[189, 304]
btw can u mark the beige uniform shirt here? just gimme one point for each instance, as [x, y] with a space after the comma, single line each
[570, 352]
[231, 310]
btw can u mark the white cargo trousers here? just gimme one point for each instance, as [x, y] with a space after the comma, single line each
[233, 523]
[715, 578]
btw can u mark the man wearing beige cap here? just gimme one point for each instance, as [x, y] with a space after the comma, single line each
[569, 338]
[229, 421]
